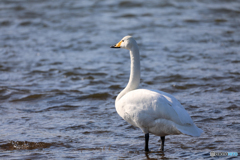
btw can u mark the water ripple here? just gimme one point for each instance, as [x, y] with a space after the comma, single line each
[59, 78]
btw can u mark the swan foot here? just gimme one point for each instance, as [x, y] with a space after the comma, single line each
[146, 142]
[162, 146]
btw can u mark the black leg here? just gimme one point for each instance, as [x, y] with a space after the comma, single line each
[163, 139]
[146, 142]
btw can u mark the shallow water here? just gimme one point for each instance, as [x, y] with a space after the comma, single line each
[59, 78]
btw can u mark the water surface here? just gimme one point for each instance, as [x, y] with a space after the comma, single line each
[59, 78]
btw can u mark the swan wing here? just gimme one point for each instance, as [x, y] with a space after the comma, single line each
[146, 108]
[152, 104]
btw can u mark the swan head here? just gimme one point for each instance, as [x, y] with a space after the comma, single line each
[126, 42]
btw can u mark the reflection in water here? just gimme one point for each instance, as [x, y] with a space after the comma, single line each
[160, 155]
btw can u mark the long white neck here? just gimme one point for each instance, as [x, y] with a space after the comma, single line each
[134, 79]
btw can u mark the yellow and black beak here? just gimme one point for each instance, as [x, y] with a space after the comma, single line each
[117, 45]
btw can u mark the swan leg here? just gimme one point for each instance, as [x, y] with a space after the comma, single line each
[163, 139]
[146, 142]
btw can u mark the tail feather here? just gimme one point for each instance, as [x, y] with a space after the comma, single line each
[191, 130]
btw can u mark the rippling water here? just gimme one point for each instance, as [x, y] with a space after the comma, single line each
[59, 78]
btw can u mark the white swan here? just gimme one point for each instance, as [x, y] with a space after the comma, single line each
[152, 111]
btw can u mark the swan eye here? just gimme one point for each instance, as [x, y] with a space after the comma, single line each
[122, 40]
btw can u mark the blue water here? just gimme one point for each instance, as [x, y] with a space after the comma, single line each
[59, 78]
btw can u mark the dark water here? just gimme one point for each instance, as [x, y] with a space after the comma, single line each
[59, 78]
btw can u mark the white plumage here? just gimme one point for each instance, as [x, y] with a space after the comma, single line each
[152, 111]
